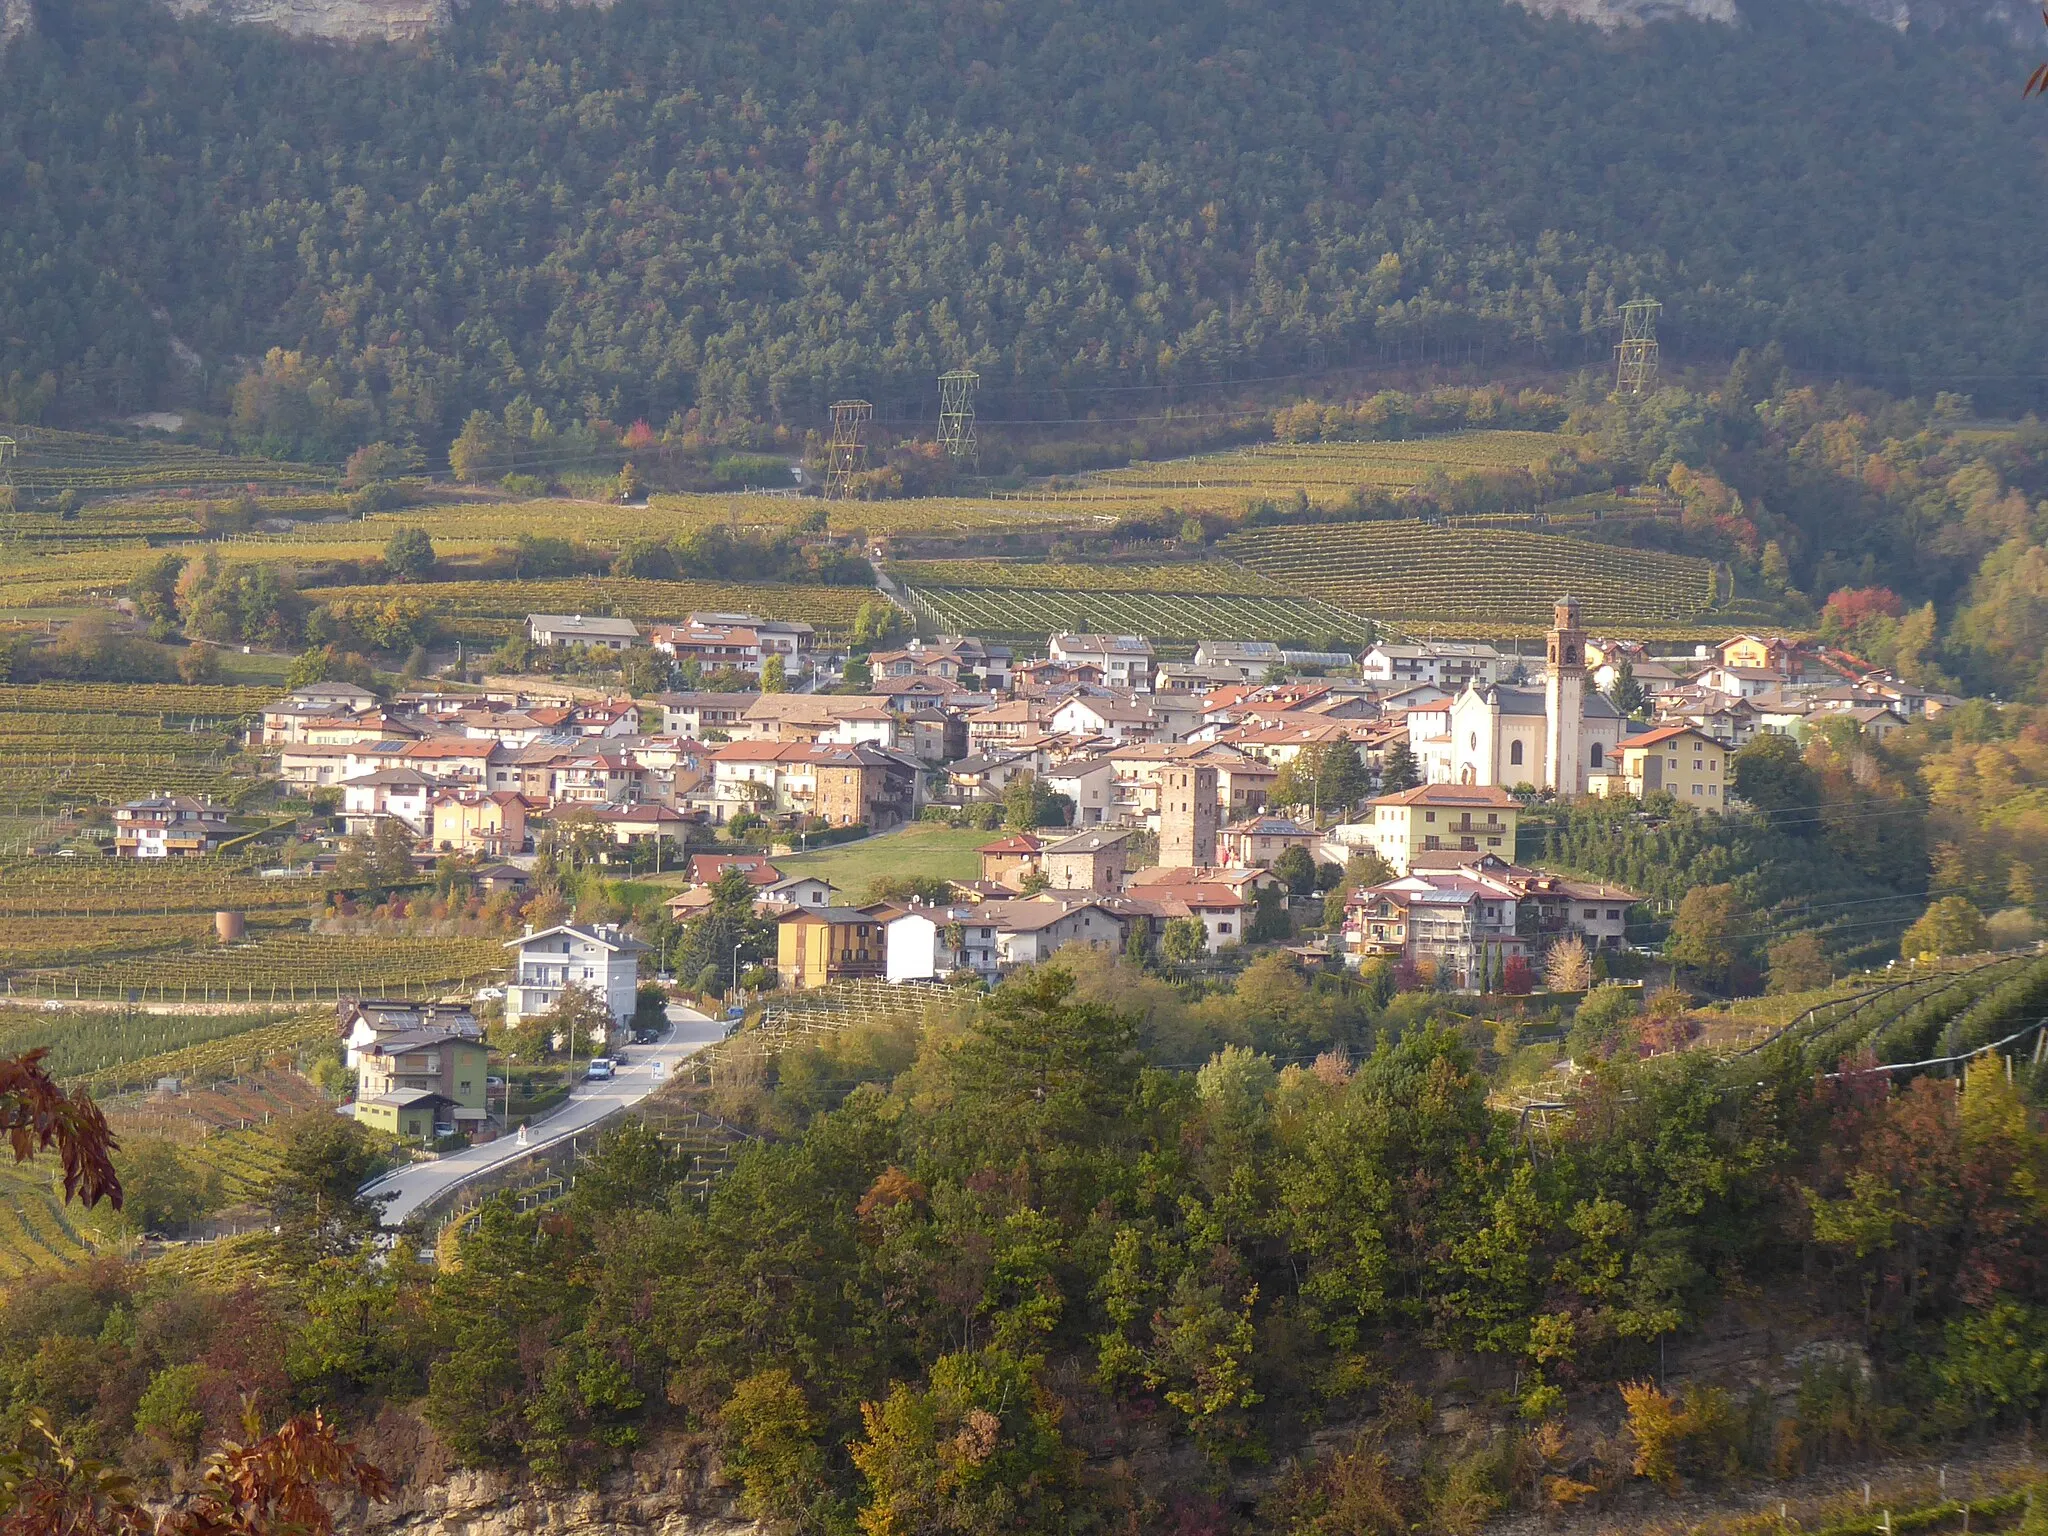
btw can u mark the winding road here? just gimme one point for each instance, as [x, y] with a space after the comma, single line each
[648, 1067]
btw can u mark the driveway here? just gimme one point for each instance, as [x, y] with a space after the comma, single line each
[648, 1067]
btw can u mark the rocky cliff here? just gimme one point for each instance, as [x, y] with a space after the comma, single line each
[1932, 15]
[15, 19]
[341, 18]
[663, 1493]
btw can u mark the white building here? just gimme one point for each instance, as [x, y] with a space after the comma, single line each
[576, 629]
[1554, 738]
[917, 948]
[601, 960]
[1125, 660]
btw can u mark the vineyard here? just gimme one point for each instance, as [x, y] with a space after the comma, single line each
[1190, 577]
[1020, 612]
[96, 743]
[1406, 570]
[48, 461]
[1942, 1012]
[240, 1049]
[1325, 471]
[275, 969]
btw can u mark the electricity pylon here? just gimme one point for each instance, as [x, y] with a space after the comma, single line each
[1635, 370]
[956, 413]
[846, 455]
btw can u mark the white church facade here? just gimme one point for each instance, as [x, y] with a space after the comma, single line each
[1555, 737]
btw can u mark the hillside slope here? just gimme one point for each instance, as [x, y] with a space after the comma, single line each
[755, 207]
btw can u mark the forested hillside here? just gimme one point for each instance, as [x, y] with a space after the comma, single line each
[752, 208]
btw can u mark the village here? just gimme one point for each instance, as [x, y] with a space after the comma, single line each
[1350, 810]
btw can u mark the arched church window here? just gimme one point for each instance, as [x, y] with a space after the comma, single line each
[1515, 753]
[1598, 758]
[1473, 740]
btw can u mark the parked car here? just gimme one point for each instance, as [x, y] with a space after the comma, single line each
[599, 1070]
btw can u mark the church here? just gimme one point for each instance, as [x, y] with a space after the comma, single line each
[1553, 737]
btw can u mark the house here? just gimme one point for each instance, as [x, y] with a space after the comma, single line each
[793, 891]
[1677, 760]
[1090, 783]
[697, 714]
[985, 775]
[1120, 719]
[1087, 861]
[1880, 722]
[599, 958]
[1033, 929]
[1465, 817]
[640, 822]
[1125, 661]
[452, 759]
[1245, 660]
[1727, 718]
[168, 827]
[931, 943]
[1257, 841]
[1548, 906]
[833, 719]
[1009, 859]
[1222, 899]
[1777, 655]
[552, 629]
[709, 868]
[361, 1021]
[1462, 924]
[472, 821]
[402, 794]
[952, 659]
[1453, 665]
[713, 642]
[1000, 725]
[423, 1083]
[816, 946]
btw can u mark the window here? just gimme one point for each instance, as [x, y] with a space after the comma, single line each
[1515, 753]
[1614, 914]
[1599, 757]
[1429, 815]
[1714, 789]
[1223, 927]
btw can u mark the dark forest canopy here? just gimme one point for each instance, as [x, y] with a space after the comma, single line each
[755, 207]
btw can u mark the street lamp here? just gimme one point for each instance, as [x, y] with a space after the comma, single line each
[736, 969]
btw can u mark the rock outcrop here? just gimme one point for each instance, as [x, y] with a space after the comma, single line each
[15, 19]
[1929, 15]
[663, 1493]
[395, 19]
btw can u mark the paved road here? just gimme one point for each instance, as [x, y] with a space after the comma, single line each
[648, 1068]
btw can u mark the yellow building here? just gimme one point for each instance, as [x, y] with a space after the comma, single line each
[1676, 760]
[815, 946]
[1469, 818]
[491, 824]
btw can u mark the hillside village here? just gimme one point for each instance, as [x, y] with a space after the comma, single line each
[1358, 810]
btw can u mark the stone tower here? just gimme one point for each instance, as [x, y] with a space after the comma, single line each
[1564, 701]
[1187, 816]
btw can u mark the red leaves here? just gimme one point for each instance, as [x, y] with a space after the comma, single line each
[278, 1485]
[35, 1115]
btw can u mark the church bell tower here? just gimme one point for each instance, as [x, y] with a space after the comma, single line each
[1564, 701]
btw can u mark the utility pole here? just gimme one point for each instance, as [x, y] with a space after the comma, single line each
[1635, 371]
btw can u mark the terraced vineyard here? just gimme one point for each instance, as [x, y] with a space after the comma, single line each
[280, 969]
[50, 461]
[37, 1230]
[1408, 570]
[239, 1050]
[120, 891]
[95, 743]
[1024, 612]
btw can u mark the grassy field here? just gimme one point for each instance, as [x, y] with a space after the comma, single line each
[923, 848]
